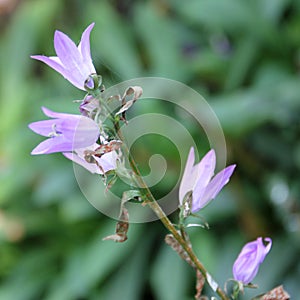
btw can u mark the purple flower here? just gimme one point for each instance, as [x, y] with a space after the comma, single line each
[252, 255]
[65, 132]
[198, 180]
[107, 162]
[72, 62]
[89, 106]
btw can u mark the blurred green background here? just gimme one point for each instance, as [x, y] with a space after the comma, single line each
[242, 56]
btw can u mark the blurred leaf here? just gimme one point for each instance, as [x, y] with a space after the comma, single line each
[113, 41]
[30, 277]
[272, 10]
[90, 264]
[242, 60]
[131, 275]
[161, 42]
[170, 277]
[247, 109]
[31, 18]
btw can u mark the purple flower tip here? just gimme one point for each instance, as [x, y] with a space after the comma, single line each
[251, 256]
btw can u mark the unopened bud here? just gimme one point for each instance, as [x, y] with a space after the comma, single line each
[93, 82]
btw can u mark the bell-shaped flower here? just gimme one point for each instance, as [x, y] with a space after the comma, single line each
[72, 62]
[198, 179]
[65, 132]
[252, 255]
[96, 165]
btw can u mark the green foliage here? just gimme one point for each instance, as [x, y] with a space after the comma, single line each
[243, 56]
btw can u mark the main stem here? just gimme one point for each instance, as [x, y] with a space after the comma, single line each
[150, 200]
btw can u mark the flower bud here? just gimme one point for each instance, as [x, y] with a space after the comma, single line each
[93, 82]
[252, 255]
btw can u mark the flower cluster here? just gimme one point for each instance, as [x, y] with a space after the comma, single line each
[76, 136]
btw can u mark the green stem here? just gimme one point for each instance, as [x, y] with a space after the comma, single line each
[150, 200]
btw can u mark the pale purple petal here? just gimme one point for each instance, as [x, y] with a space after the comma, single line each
[246, 266]
[52, 62]
[84, 48]
[43, 128]
[93, 168]
[212, 189]
[251, 256]
[188, 180]
[67, 51]
[52, 145]
[89, 106]
[86, 133]
[52, 114]
[108, 161]
[56, 64]
[84, 45]
[206, 169]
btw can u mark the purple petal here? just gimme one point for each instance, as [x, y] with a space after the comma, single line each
[56, 64]
[206, 169]
[52, 62]
[84, 48]
[262, 249]
[67, 51]
[213, 188]
[52, 145]
[84, 45]
[86, 133]
[52, 114]
[107, 161]
[187, 181]
[89, 106]
[43, 128]
[93, 168]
